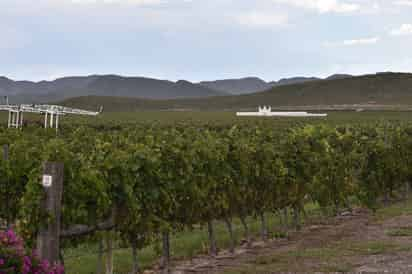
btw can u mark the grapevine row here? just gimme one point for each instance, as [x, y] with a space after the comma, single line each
[154, 180]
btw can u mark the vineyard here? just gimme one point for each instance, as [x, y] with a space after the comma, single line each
[139, 183]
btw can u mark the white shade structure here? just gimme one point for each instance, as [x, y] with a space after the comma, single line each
[267, 112]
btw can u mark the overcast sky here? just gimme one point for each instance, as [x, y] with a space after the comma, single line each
[203, 39]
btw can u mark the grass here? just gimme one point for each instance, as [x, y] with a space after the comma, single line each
[397, 209]
[336, 257]
[184, 245]
[373, 248]
[400, 232]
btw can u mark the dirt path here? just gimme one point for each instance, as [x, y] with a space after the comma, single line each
[353, 243]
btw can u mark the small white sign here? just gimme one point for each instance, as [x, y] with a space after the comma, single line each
[47, 181]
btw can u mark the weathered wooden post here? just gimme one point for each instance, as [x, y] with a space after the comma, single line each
[5, 152]
[99, 268]
[5, 159]
[165, 261]
[109, 252]
[48, 239]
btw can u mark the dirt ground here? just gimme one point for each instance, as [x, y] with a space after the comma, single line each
[357, 243]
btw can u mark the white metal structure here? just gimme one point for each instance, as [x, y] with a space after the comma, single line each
[267, 112]
[51, 113]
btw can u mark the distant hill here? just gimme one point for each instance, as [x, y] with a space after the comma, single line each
[101, 85]
[294, 80]
[377, 89]
[253, 84]
[238, 86]
[338, 76]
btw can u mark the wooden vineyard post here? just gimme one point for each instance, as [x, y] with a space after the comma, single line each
[48, 239]
[7, 203]
[166, 252]
[5, 152]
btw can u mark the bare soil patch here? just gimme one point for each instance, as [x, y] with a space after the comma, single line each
[359, 242]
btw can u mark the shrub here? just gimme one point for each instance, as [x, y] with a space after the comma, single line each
[15, 258]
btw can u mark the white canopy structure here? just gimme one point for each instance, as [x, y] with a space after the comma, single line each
[51, 113]
[267, 112]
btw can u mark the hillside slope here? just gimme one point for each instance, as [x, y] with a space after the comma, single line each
[250, 85]
[238, 86]
[379, 89]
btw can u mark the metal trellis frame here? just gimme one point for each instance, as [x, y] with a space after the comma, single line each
[51, 113]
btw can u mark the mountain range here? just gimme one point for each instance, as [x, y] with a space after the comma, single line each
[373, 91]
[101, 85]
[136, 87]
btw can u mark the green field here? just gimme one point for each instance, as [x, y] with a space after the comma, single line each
[229, 117]
[215, 117]
[185, 243]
